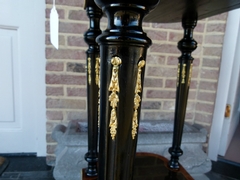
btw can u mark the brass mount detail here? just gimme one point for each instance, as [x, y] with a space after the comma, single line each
[89, 70]
[183, 73]
[137, 98]
[190, 74]
[113, 97]
[178, 74]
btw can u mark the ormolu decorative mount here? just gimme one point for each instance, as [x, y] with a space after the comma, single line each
[137, 98]
[94, 14]
[186, 46]
[113, 97]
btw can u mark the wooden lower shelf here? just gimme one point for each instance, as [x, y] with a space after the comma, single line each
[152, 166]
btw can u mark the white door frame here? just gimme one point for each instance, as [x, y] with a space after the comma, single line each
[39, 72]
[228, 54]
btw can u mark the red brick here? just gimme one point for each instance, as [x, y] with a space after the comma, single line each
[151, 105]
[54, 115]
[54, 66]
[61, 40]
[162, 71]
[49, 138]
[169, 105]
[178, 26]
[79, 15]
[50, 126]
[204, 118]
[164, 94]
[216, 27]
[212, 51]
[61, 13]
[76, 67]
[155, 59]
[172, 60]
[74, 28]
[76, 115]
[164, 48]
[76, 41]
[74, 54]
[192, 94]
[157, 35]
[209, 73]
[170, 83]
[79, 3]
[207, 96]
[203, 107]
[174, 26]
[214, 39]
[205, 85]
[158, 115]
[65, 79]
[54, 91]
[51, 149]
[82, 92]
[209, 62]
[66, 103]
[153, 82]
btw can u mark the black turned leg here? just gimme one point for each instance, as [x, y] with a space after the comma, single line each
[123, 47]
[93, 68]
[186, 46]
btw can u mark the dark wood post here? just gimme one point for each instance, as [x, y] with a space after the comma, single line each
[123, 48]
[186, 46]
[93, 69]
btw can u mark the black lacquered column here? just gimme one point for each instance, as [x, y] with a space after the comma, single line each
[93, 69]
[186, 46]
[123, 48]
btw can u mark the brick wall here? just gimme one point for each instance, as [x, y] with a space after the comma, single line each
[66, 79]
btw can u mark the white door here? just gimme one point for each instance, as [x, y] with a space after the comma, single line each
[228, 91]
[22, 69]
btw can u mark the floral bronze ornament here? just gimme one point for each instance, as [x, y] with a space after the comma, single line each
[137, 98]
[113, 97]
[190, 74]
[183, 73]
[178, 74]
[97, 70]
[89, 70]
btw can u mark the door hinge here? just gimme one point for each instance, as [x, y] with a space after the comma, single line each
[228, 110]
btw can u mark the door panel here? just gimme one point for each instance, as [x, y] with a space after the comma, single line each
[22, 77]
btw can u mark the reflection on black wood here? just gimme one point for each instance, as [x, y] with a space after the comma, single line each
[152, 166]
[186, 46]
[94, 14]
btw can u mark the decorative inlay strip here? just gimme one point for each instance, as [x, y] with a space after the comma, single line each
[89, 70]
[137, 98]
[183, 73]
[113, 97]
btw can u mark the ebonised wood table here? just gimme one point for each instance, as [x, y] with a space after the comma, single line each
[116, 61]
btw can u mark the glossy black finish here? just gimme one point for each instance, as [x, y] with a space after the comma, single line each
[94, 13]
[168, 11]
[125, 39]
[186, 46]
